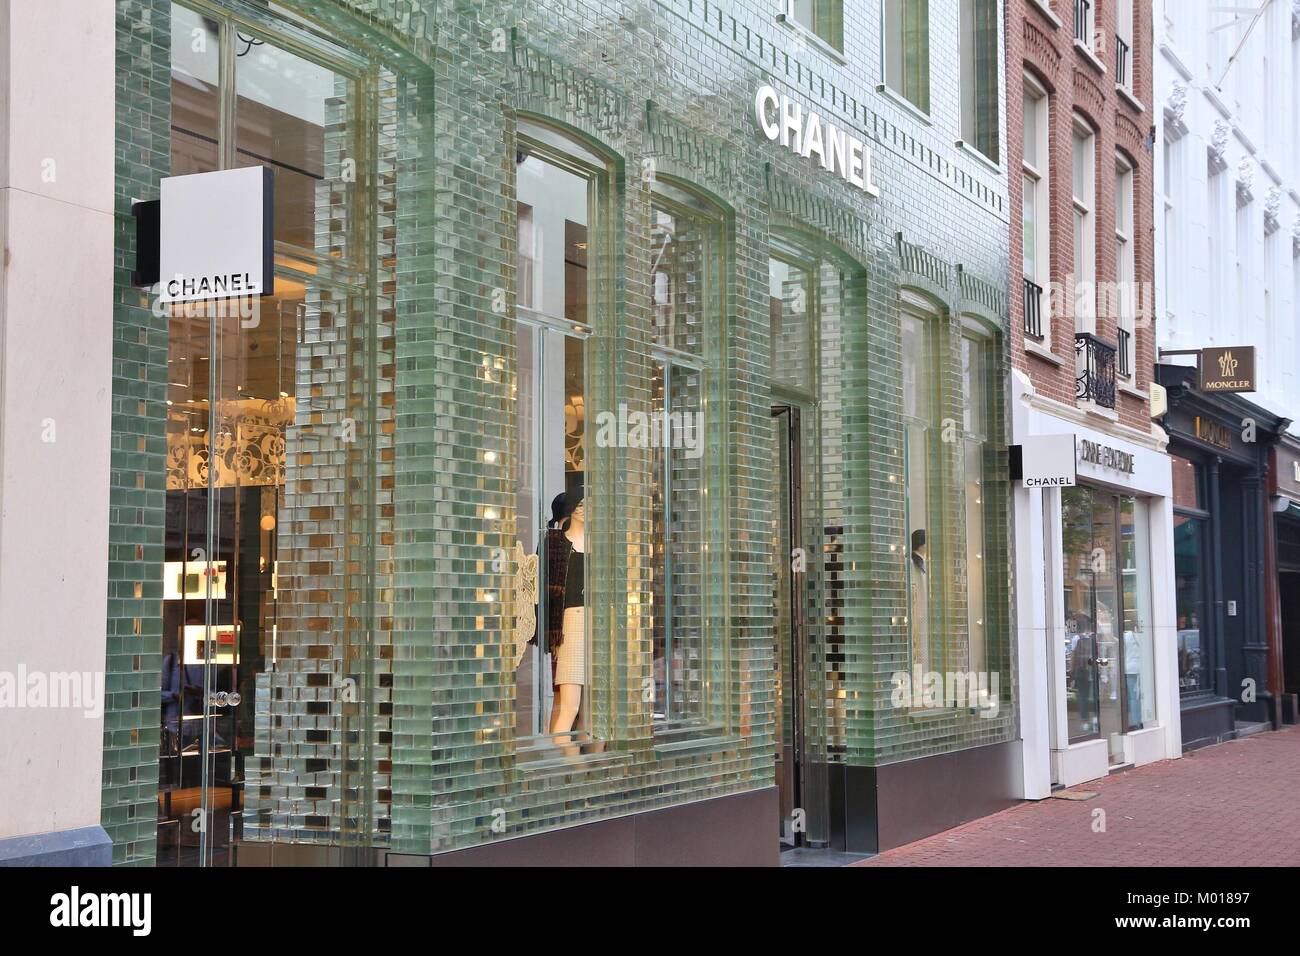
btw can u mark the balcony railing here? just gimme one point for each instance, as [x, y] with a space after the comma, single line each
[1033, 309]
[1121, 62]
[1095, 368]
[1083, 22]
[1124, 360]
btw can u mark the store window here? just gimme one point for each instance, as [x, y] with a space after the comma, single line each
[1109, 651]
[556, 182]
[270, 575]
[921, 477]
[1191, 540]
[1036, 215]
[688, 614]
[907, 50]
[979, 76]
[825, 18]
[977, 378]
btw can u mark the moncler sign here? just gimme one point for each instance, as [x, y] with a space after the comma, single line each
[783, 120]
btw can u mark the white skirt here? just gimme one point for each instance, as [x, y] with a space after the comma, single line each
[571, 655]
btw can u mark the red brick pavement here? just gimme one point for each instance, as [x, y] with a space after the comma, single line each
[1234, 804]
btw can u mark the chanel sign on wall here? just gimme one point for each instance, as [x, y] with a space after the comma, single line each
[807, 135]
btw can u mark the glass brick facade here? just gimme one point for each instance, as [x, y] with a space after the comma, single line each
[388, 712]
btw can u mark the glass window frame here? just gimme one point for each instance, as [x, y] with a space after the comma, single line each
[833, 24]
[549, 143]
[974, 85]
[906, 72]
[931, 318]
[986, 340]
[1040, 174]
[679, 199]
[1125, 262]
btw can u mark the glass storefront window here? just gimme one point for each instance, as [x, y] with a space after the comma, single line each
[920, 468]
[975, 392]
[270, 576]
[792, 294]
[1189, 597]
[552, 674]
[686, 627]
[1138, 651]
[1109, 655]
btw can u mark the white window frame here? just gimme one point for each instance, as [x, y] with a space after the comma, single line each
[1084, 208]
[968, 122]
[1124, 31]
[1040, 176]
[887, 50]
[1125, 262]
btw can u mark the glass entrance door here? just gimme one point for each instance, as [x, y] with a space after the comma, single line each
[1108, 653]
[275, 457]
[787, 608]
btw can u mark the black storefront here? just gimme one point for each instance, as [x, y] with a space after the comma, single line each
[1220, 445]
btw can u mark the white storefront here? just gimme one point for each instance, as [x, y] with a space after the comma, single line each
[1097, 648]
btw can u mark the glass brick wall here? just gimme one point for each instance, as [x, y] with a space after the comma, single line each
[662, 88]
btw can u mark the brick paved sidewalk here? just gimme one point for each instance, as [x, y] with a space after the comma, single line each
[1234, 804]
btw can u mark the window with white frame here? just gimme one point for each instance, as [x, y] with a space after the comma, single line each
[1125, 298]
[1124, 44]
[979, 76]
[1085, 259]
[1171, 160]
[824, 18]
[907, 50]
[1036, 213]
[1083, 14]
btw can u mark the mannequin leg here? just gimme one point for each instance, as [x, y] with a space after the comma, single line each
[564, 712]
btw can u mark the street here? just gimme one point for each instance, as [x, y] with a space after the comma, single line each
[1233, 804]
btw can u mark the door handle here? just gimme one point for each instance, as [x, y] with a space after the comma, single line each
[1101, 661]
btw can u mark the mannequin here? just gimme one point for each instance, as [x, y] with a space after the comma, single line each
[571, 654]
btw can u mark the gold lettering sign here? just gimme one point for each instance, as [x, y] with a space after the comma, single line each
[1228, 369]
[1213, 432]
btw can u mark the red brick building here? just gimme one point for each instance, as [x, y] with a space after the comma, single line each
[1099, 638]
[1107, 89]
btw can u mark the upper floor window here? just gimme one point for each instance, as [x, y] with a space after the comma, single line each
[1083, 22]
[907, 50]
[1124, 268]
[1036, 213]
[979, 75]
[1124, 43]
[1083, 175]
[824, 18]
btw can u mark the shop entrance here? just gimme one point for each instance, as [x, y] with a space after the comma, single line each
[277, 452]
[788, 583]
[1108, 652]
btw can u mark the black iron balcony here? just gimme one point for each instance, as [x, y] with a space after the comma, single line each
[1121, 62]
[1082, 22]
[1124, 360]
[1095, 368]
[1033, 309]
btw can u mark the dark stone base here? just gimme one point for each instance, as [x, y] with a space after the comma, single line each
[1289, 708]
[878, 808]
[735, 830]
[1208, 720]
[86, 846]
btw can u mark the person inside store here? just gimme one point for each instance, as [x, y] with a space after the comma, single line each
[566, 612]
[920, 599]
[1081, 664]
